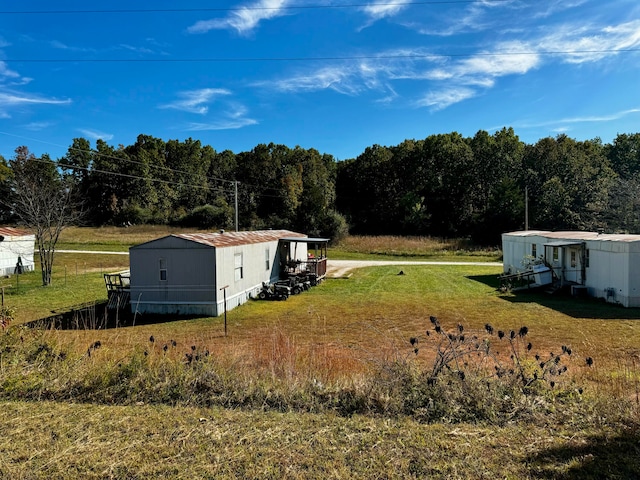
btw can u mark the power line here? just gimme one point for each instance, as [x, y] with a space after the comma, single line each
[247, 8]
[139, 177]
[320, 59]
[120, 159]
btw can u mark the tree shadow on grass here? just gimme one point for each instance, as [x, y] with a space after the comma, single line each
[600, 457]
[563, 302]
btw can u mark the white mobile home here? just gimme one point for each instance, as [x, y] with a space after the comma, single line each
[16, 251]
[190, 274]
[605, 265]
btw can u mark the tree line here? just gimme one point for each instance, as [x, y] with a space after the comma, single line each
[445, 185]
[449, 185]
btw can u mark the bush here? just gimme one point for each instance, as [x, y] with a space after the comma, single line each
[219, 215]
[334, 226]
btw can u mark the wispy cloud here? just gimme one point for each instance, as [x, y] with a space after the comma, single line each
[381, 9]
[439, 100]
[8, 99]
[555, 6]
[6, 72]
[568, 43]
[235, 117]
[58, 45]
[580, 44]
[475, 17]
[610, 117]
[95, 135]
[195, 101]
[37, 126]
[244, 19]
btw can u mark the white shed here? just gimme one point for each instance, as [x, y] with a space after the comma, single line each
[188, 274]
[606, 265]
[16, 250]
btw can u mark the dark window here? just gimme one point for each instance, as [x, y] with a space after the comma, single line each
[163, 270]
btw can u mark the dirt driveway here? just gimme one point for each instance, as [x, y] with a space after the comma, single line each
[341, 268]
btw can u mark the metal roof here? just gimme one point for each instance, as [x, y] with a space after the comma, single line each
[577, 235]
[230, 239]
[13, 232]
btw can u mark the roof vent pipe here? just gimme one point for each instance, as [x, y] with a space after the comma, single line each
[221, 231]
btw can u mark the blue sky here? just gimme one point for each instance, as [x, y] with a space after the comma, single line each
[335, 75]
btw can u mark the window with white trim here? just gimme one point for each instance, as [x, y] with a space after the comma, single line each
[238, 267]
[267, 259]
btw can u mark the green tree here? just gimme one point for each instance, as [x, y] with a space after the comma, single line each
[44, 201]
[624, 155]
[5, 188]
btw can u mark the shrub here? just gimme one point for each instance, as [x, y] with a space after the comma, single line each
[219, 215]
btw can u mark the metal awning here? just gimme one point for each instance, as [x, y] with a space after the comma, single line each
[563, 243]
[305, 240]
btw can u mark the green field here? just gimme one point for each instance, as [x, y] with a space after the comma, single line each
[324, 385]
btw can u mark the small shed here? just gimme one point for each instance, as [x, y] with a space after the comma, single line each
[604, 265]
[190, 274]
[16, 251]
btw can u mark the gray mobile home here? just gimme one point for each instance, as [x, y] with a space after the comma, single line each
[604, 265]
[190, 274]
[16, 250]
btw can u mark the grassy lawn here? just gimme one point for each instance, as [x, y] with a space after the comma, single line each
[338, 333]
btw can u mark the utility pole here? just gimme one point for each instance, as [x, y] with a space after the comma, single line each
[236, 209]
[224, 291]
[526, 208]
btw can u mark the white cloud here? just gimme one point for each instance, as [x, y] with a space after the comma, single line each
[232, 119]
[194, 101]
[37, 126]
[555, 6]
[235, 117]
[449, 80]
[6, 72]
[444, 98]
[63, 46]
[581, 44]
[95, 135]
[588, 119]
[381, 9]
[244, 19]
[8, 99]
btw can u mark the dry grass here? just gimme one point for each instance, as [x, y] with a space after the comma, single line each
[432, 248]
[117, 235]
[148, 442]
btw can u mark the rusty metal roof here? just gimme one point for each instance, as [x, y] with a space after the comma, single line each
[13, 232]
[576, 235]
[230, 239]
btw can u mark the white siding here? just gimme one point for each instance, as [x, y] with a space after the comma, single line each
[13, 247]
[613, 261]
